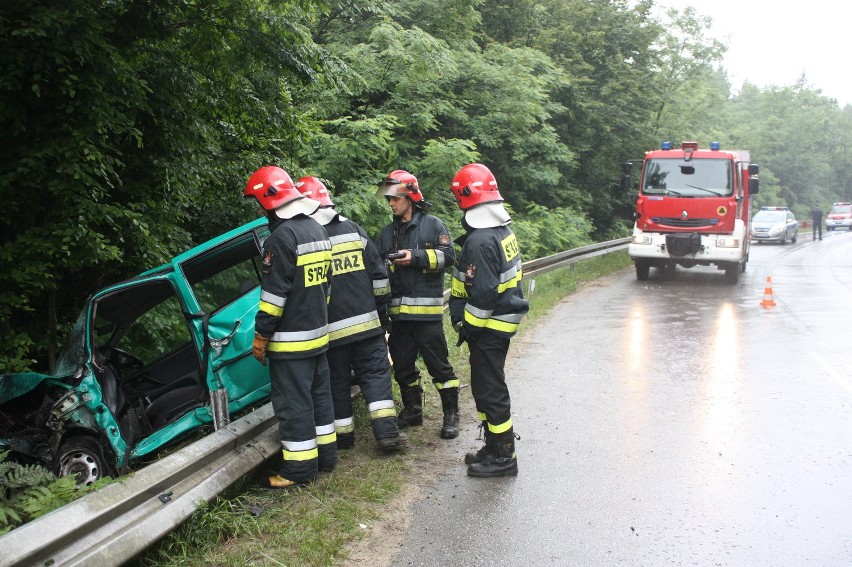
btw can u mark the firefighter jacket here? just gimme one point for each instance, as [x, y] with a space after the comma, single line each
[486, 292]
[294, 288]
[417, 290]
[360, 285]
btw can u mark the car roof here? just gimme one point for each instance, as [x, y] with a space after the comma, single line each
[203, 247]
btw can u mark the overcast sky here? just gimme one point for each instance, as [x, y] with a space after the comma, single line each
[773, 43]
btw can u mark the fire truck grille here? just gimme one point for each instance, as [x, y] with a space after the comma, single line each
[684, 223]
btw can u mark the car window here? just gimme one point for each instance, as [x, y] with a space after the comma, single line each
[158, 331]
[844, 209]
[224, 273]
[699, 178]
[144, 319]
[769, 216]
[222, 288]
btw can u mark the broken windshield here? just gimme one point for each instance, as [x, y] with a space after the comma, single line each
[72, 356]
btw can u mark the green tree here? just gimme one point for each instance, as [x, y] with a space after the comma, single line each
[124, 124]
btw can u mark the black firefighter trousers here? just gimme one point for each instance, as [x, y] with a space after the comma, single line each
[301, 400]
[487, 377]
[407, 339]
[368, 359]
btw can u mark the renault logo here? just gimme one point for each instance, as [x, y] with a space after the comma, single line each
[683, 214]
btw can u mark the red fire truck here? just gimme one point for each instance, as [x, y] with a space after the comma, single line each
[693, 209]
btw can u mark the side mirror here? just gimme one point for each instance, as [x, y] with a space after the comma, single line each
[753, 169]
[753, 185]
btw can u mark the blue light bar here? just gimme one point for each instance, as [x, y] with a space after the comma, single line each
[667, 145]
[715, 145]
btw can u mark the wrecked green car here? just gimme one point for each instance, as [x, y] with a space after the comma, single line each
[149, 361]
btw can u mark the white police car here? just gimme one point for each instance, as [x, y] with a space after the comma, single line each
[774, 224]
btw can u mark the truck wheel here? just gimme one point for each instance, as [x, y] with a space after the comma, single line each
[82, 456]
[643, 270]
[732, 272]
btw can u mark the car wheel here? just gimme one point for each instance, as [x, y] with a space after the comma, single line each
[795, 237]
[732, 272]
[81, 456]
[643, 270]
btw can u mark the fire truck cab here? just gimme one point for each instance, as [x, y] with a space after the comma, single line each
[693, 208]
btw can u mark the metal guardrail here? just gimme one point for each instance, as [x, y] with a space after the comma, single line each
[562, 259]
[116, 523]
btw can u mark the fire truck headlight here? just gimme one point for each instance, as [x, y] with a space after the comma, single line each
[641, 239]
[728, 242]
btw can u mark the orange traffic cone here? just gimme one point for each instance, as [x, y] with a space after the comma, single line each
[767, 294]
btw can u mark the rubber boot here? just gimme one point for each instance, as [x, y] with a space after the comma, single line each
[346, 441]
[412, 412]
[500, 461]
[388, 435]
[477, 456]
[396, 443]
[450, 405]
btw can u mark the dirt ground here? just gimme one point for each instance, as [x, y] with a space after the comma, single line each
[383, 537]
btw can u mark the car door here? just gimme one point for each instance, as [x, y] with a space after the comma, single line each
[147, 362]
[225, 281]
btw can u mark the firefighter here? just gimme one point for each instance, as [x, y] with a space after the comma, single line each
[291, 327]
[418, 248]
[486, 306]
[358, 306]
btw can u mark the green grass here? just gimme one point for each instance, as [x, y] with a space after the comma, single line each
[311, 526]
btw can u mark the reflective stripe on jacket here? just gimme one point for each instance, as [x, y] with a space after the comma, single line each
[359, 282]
[417, 290]
[294, 286]
[486, 292]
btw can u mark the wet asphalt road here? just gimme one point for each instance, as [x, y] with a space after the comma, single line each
[671, 422]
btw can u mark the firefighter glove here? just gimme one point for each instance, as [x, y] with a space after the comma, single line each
[385, 320]
[462, 335]
[258, 348]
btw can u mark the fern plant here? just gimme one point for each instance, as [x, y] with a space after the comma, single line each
[30, 491]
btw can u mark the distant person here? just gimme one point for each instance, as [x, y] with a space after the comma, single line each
[816, 213]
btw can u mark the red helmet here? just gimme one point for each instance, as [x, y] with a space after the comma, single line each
[473, 185]
[313, 188]
[272, 187]
[400, 183]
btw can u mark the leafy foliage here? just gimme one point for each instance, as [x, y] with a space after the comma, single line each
[30, 491]
[124, 124]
